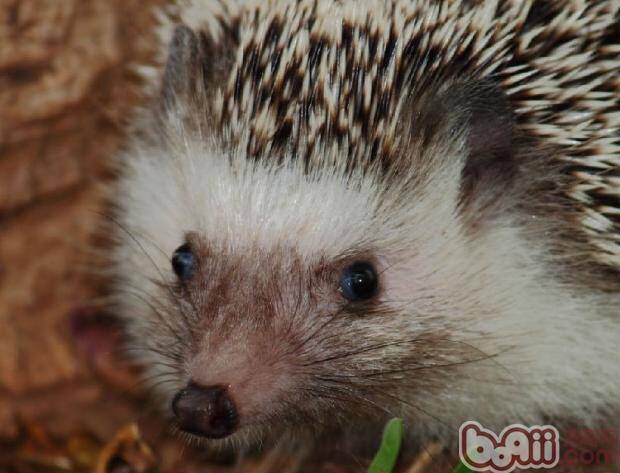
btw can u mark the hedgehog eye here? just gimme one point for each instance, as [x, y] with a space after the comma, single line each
[359, 281]
[183, 262]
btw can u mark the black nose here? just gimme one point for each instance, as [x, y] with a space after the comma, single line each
[205, 411]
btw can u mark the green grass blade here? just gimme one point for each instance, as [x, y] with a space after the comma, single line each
[462, 468]
[385, 459]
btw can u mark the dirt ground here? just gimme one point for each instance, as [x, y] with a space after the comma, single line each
[68, 401]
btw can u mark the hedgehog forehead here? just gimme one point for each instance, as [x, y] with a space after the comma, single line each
[237, 204]
[251, 205]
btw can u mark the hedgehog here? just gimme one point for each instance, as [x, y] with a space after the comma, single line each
[335, 212]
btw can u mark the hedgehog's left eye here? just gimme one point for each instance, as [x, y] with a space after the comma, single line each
[359, 281]
[183, 262]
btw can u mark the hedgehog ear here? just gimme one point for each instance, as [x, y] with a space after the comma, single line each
[482, 113]
[185, 71]
[490, 165]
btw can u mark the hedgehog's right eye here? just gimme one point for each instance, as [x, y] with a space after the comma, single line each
[183, 262]
[359, 281]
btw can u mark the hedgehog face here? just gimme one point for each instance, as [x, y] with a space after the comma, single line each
[285, 286]
[259, 290]
[267, 297]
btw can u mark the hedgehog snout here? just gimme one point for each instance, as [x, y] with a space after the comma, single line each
[206, 411]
